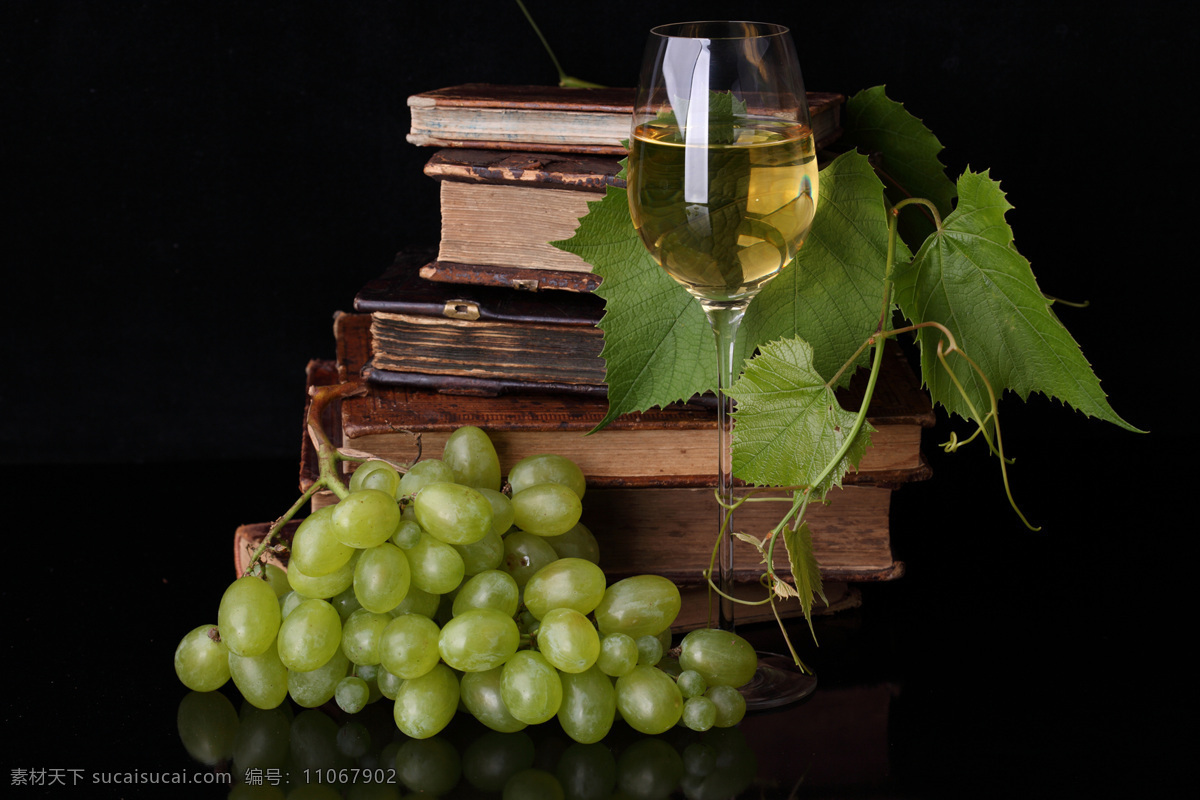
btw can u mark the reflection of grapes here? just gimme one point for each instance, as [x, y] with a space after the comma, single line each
[441, 592]
[326, 756]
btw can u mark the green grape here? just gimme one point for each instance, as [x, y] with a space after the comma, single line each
[533, 784]
[568, 640]
[579, 542]
[699, 713]
[430, 470]
[565, 583]
[547, 468]
[618, 654]
[650, 650]
[417, 601]
[361, 634]
[288, 602]
[315, 549]
[546, 509]
[530, 687]
[207, 723]
[502, 510]
[639, 605]
[649, 700]
[587, 771]
[310, 635]
[493, 588]
[722, 657]
[487, 553]
[481, 696]
[407, 534]
[730, 703]
[691, 683]
[589, 705]
[381, 577]
[408, 647]
[202, 659]
[472, 456]
[248, 616]
[430, 767]
[375, 474]
[453, 513]
[478, 639]
[316, 687]
[323, 587]
[262, 679]
[425, 705]
[436, 567]
[352, 694]
[525, 554]
[277, 577]
[345, 601]
[388, 683]
[365, 518]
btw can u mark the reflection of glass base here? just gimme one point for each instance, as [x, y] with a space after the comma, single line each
[778, 682]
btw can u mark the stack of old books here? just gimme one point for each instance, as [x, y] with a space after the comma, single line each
[497, 328]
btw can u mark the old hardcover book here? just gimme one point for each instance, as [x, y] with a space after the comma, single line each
[502, 209]
[553, 118]
[660, 447]
[480, 339]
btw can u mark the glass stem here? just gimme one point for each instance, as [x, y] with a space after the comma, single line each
[725, 320]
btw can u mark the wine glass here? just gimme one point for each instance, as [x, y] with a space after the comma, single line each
[722, 185]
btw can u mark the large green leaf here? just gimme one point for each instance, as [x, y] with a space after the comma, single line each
[788, 424]
[658, 345]
[905, 153]
[832, 294]
[970, 278]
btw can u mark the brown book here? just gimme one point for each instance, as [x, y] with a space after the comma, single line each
[553, 118]
[480, 339]
[502, 209]
[672, 446]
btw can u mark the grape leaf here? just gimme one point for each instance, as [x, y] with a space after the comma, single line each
[788, 424]
[832, 293]
[906, 153]
[806, 572]
[970, 278]
[658, 345]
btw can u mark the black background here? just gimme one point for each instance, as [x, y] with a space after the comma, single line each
[195, 188]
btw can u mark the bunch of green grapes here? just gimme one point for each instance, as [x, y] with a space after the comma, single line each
[439, 592]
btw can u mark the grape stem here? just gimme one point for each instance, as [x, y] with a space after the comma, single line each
[328, 459]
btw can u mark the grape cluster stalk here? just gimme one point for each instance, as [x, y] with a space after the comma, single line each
[444, 587]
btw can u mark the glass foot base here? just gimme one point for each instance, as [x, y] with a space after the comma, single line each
[778, 682]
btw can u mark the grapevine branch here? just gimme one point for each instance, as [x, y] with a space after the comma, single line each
[328, 458]
[988, 426]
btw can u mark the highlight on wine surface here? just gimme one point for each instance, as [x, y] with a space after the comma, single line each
[722, 167]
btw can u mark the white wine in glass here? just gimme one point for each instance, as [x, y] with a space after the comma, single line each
[722, 186]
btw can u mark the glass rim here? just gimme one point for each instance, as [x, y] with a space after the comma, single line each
[765, 30]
